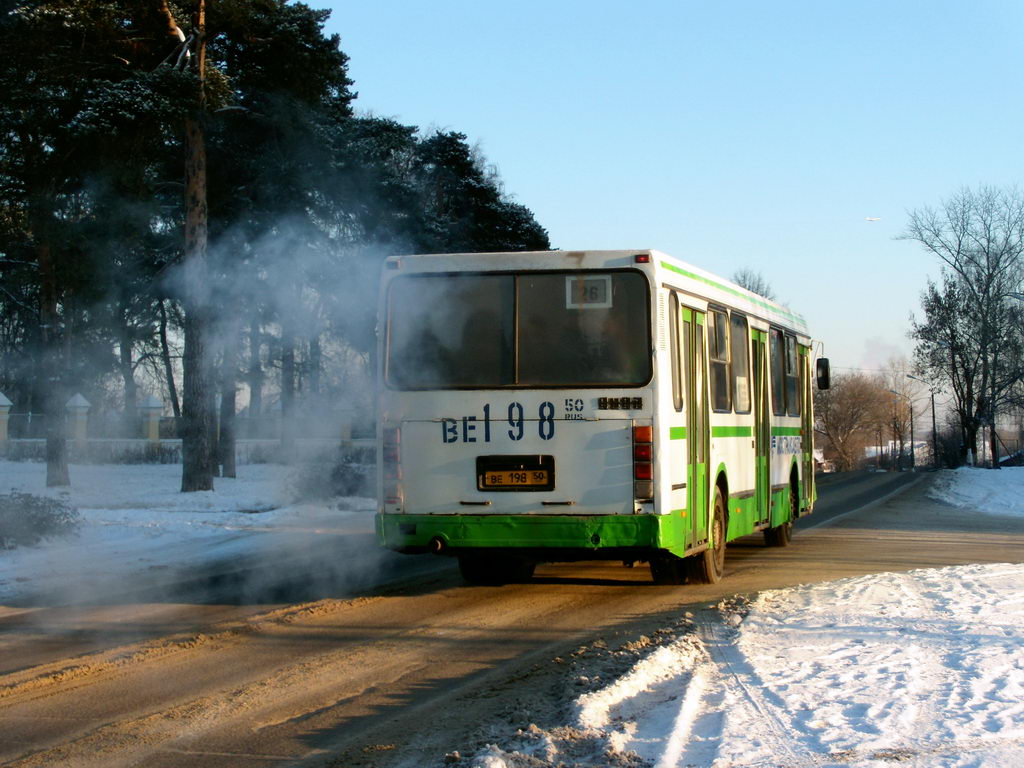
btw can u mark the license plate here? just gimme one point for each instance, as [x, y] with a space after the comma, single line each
[515, 478]
[515, 473]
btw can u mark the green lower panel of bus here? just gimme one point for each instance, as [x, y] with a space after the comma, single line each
[593, 534]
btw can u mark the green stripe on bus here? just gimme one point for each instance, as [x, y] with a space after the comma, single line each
[732, 432]
[752, 299]
[677, 433]
[535, 532]
[786, 431]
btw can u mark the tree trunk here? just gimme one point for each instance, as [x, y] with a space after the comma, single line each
[214, 371]
[127, 368]
[228, 402]
[971, 442]
[315, 364]
[197, 411]
[165, 352]
[287, 391]
[57, 473]
[53, 393]
[227, 443]
[255, 377]
[993, 398]
[197, 423]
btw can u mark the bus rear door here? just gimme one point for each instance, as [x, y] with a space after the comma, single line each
[762, 427]
[695, 388]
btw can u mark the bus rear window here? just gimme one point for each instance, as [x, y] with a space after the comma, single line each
[451, 331]
[546, 329]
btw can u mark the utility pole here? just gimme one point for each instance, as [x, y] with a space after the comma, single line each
[910, 404]
[913, 461]
[935, 434]
[935, 437]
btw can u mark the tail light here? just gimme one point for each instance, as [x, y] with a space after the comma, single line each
[643, 463]
[392, 465]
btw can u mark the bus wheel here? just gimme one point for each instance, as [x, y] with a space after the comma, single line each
[782, 535]
[477, 569]
[709, 566]
[668, 569]
[521, 570]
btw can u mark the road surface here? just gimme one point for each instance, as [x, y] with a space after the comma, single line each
[386, 660]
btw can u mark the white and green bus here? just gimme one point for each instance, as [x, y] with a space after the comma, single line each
[587, 405]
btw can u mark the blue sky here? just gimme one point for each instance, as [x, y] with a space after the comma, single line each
[731, 135]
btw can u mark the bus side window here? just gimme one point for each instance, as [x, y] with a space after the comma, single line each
[718, 345]
[677, 379]
[739, 338]
[777, 356]
[792, 377]
[699, 388]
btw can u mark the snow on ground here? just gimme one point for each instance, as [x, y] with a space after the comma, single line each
[921, 669]
[996, 492]
[136, 520]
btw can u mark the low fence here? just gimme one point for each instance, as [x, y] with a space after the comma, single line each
[113, 451]
[32, 426]
[150, 437]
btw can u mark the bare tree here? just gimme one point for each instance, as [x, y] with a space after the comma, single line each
[971, 335]
[848, 414]
[900, 409]
[753, 282]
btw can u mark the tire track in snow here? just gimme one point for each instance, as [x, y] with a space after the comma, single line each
[918, 668]
[682, 727]
[972, 698]
[764, 720]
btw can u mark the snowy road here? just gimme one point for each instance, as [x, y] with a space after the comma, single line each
[404, 674]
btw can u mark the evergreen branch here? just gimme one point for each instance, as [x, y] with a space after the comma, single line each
[17, 301]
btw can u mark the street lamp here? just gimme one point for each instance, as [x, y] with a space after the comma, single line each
[935, 443]
[913, 464]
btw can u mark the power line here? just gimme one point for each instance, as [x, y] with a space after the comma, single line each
[868, 370]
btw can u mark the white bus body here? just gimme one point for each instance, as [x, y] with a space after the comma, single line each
[583, 405]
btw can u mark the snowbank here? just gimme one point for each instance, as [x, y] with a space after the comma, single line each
[923, 669]
[995, 492]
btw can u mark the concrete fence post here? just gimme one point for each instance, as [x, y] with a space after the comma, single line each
[276, 412]
[5, 411]
[78, 409]
[345, 423]
[152, 409]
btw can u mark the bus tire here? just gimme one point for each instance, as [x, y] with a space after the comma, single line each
[668, 569]
[708, 567]
[782, 535]
[521, 571]
[494, 571]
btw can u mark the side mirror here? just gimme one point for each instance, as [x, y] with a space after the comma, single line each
[823, 373]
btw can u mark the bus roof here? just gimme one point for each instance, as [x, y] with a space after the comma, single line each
[668, 269]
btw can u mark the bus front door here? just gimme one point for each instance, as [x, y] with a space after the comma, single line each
[695, 385]
[806, 430]
[762, 427]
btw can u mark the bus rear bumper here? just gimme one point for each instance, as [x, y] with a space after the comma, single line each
[558, 537]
